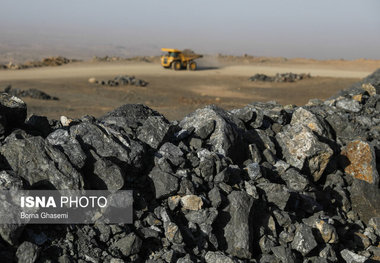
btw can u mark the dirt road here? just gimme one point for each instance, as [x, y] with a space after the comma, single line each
[78, 70]
[173, 93]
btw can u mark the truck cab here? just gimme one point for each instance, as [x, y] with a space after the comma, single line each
[170, 56]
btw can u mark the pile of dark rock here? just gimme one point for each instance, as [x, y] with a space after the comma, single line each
[265, 183]
[120, 81]
[45, 62]
[280, 77]
[31, 93]
[123, 59]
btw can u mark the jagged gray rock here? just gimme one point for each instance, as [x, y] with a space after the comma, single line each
[149, 126]
[106, 175]
[226, 138]
[108, 143]
[164, 183]
[69, 146]
[154, 131]
[302, 149]
[37, 161]
[295, 181]
[172, 153]
[304, 240]
[276, 193]
[304, 117]
[365, 199]
[238, 232]
[128, 245]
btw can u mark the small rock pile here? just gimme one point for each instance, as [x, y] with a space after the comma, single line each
[120, 81]
[115, 59]
[265, 183]
[45, 62]
[32, 93]
[280, 77]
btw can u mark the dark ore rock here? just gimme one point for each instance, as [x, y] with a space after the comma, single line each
[37, 161]
[13, 109]
[226, 138]
[304, 240]
[165, 184]
[238, 232]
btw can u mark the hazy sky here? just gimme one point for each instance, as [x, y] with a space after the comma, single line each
[292, 28]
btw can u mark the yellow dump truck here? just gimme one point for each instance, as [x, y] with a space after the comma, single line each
[177, 59]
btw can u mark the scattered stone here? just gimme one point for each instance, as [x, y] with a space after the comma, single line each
[92, 80]
[120, 81]
[65, 121]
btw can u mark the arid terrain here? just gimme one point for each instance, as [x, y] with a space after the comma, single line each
[220, 80]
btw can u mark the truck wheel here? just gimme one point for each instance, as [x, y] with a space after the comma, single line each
[192, 65]
[177, 65]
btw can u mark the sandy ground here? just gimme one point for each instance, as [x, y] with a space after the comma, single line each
[174, 93]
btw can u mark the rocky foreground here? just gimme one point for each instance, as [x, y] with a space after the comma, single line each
[265, 183]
